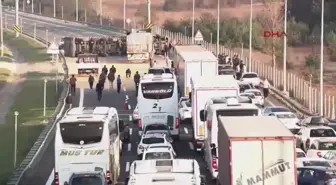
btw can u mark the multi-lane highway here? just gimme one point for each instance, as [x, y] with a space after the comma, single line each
[42, 173]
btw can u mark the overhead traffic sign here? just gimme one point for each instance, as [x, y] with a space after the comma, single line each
[17, 29]
[53, 49]
[198, 36]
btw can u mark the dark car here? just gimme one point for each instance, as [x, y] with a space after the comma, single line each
[313, 175]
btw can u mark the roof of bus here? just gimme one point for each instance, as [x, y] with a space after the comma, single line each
[87, 114]
[158, 78]
[214, 81]
[195, 53]
[178, 166]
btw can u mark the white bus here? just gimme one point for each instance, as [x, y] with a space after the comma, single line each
[87, 140]
[158, 102]
[221, 106]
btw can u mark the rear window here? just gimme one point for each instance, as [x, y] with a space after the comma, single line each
[250, 75]
[158, 155]
[316, 163]
[156, 127]
[283, 116]
[155, 71]
[327, 146]
[300, 154]
[157, 90]
[257, 93]
[279, 109]
[82, 132]
[87, 180]
[152, 140]
[188, 104]
[294, 130]
[322, 133]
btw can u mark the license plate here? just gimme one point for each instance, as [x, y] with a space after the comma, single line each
[158, 116]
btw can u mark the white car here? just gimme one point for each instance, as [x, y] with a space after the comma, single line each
[250, 96]
[243, 86]
[251, 77]
[307, 161]
[289, 119]
[331, 157]
[136, 115]
[300, 153]
[185, 110]
[321, 147]
[307, 135]
[159, 151]
[149, 139]
[273, 109]
[259, 97]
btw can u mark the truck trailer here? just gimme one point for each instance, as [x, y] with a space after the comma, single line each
[139, 46]
[192, 61]
[255, 151]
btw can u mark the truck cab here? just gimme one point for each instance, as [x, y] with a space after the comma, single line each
[88, 64]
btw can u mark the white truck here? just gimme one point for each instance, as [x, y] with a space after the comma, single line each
[255, 151]
[192, 61]
[139, 46]
[202, 89]
[167, 172]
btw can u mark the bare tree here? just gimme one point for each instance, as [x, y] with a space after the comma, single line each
[273, 22]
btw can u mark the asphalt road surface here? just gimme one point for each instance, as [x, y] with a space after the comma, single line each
[42, 173]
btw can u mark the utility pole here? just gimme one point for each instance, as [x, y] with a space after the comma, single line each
[17, 15]
[285, 51]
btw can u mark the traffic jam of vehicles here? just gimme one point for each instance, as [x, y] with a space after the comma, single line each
[240, 139]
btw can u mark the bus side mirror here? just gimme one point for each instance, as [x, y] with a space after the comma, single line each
[202, 115]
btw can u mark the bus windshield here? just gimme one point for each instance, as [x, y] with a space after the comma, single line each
[80, 133]
[157, 90]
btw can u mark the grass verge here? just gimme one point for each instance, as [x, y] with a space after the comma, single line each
[29, 104]
[32, 50]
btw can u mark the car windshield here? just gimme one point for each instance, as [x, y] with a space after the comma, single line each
[152, 140]
[322, 133]
[256, 93]
[250, 75]
[300, 154]
[158, 155]
[327, 146]
[156, 127]
[279, 109]
[283, 116]
[316, 163]
[87, 180]
[248, 95]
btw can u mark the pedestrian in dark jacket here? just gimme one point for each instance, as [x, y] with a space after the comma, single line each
[91, 80]
[111, 79]
[104, 70]
[136, 81]
[128, 73]
[118, 84]
[73, 81]
[113, 69]
[99, 90]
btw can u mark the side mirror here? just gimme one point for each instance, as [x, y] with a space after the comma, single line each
[126, 180]
[202, 115]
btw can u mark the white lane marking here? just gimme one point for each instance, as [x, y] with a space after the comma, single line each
[81, 97]
[129, 147]
[130, 131]
[191, 146]
[127, 166]
[51, 178]
[186, 130]
[124, 89]
[130, 118]
[129, 107]
[127, 97]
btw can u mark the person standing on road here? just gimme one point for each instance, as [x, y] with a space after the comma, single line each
[113, 69]
[118, 84]
[73, 81]
[91, 80]
[104, 70]
[128, 73]
[99, 90]
[266, 88]
[136, 81]
[111, 79]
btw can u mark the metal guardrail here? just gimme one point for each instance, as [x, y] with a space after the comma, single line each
[36, 152]
[105, 27]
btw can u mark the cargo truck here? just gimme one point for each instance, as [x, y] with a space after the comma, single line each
[255, 151]
[192, 61]
[202, 89]
[139, 46]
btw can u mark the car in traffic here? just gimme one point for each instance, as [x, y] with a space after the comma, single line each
[312, 161]
[321, 147]
[251, 77]
[185, 111]
[316, 175]
[274, 109]
[314, 120]
[259, 97]
[289, 119]
[243, 86]
[149, 139]
[135, 115]
[159, 151]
